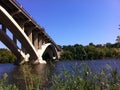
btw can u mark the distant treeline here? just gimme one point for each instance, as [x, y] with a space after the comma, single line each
[75, 52]
[91, 51]
[7, 56]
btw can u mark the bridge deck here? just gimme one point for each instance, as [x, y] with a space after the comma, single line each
[21, 16]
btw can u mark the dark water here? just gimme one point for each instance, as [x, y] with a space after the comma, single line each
[41, 69]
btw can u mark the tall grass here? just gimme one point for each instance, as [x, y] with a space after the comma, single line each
[80, 78]
[4, 85]
[86, 79]
[27, 80]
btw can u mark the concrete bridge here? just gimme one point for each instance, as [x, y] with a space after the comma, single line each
[35, 44]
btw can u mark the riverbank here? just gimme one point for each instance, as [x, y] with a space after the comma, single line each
[66, 75]
[76, 52]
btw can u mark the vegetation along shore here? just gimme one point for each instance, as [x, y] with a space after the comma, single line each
[76, 52]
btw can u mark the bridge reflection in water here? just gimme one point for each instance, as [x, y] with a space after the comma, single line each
[32, 37]
[22, 75]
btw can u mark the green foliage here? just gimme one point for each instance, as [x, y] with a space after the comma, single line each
[67, 55]
[91, 52]
[29, 81]
[118, 39]
[6, 56]
[4, 85]
[80, 78]
[85, 79]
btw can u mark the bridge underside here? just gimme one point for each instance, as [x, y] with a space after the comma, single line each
[10, 44]
[36, 44]
[50, 54]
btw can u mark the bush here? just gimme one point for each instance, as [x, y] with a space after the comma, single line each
[4, 85]
[85, 79]
[6, 56]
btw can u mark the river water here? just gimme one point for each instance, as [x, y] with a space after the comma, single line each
[40, 69]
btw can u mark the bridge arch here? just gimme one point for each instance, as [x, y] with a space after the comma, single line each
[47, 51]
[9, 43]
[21, 57]
[35, 42]
[13, 26]
[50, 53]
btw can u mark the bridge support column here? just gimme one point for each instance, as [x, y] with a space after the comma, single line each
[29, 34]
[4, 28]
[14, 39]
[40, 41]
[17, 27]
[35, 40]
[40, 59]
[23, 28]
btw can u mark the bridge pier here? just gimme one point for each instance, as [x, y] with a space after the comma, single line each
[14, 39]
[35, 40]
[29, 34]
[39, 41]
[3, 28]
[21, 24]
[32, 37]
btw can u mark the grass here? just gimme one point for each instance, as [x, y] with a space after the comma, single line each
[4, 85]
[80, 78]
[27, 80]
[106, 79]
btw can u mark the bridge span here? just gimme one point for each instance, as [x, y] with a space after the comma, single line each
[36, 44]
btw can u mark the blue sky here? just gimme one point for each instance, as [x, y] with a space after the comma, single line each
[76, 21]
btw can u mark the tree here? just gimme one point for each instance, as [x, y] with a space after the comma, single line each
[7, 56]
[67, 55]
[108, 45]
[91, 44]
[118, 39]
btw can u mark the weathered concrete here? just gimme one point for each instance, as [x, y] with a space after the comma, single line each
[34, 40]
[5, 17]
